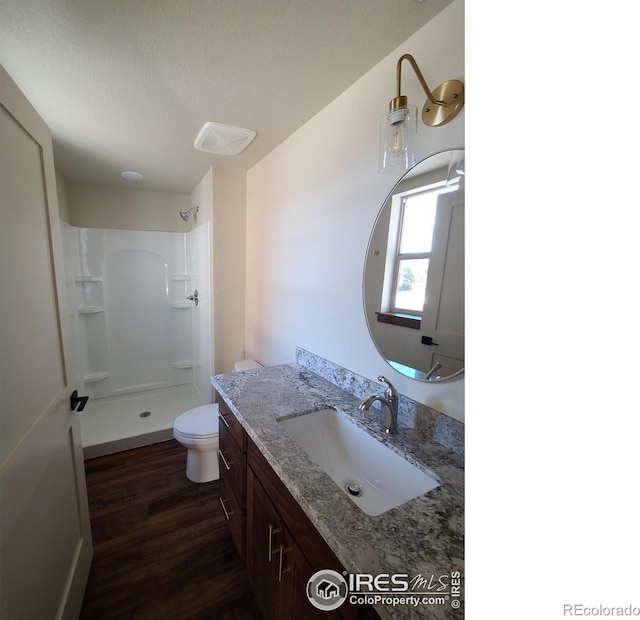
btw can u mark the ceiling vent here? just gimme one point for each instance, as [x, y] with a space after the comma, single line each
[222, 139]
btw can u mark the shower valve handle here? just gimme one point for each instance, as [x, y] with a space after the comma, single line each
[194, 297]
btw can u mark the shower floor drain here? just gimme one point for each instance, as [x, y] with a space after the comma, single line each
[145, 414]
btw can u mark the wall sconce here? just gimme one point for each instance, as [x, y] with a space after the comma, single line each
[398, 126]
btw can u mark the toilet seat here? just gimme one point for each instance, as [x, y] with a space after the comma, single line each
[195, 440]
[198, 423]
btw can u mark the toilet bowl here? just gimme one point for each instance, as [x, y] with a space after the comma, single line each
[197, 430]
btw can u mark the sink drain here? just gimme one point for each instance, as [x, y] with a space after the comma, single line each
[145, 414]
[353, 489]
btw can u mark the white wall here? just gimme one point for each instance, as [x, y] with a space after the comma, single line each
[102, 206]
[221, 196]
[311, 205]
[63, 204]
[229, 243]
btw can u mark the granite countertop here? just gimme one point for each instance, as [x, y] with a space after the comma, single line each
[422, 537]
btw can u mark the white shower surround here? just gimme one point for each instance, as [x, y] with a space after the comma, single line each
[138, 339]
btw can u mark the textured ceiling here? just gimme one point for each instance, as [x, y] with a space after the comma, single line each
[127, 84]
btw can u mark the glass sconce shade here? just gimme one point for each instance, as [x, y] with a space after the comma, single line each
[455, 172]
[397, 136]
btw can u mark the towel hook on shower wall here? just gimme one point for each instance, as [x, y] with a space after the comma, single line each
[194, 297]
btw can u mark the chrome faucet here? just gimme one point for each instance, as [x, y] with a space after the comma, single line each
[388, 401]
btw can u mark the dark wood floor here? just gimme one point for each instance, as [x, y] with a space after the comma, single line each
[162, 548]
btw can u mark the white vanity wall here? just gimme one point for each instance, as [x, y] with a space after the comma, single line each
[311, 206]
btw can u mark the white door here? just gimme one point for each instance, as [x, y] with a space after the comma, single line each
[45, 532]
[443, 313]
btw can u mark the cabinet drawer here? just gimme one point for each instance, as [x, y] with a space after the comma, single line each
[235, 516]
[233, 465]
[230, 423]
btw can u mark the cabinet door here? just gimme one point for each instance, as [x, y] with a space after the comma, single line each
[293, 574]
[264, 530]
[308, 541]
[276, 565]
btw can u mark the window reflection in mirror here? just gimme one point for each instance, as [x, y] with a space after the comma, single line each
[413, 216]
[414, 271]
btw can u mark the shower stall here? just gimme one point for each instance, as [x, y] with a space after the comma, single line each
[142, 335]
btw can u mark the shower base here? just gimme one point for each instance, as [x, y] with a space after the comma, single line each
[120, 423]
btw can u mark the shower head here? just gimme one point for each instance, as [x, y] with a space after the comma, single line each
[185, 214]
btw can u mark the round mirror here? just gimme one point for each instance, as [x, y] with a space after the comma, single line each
[413, 283]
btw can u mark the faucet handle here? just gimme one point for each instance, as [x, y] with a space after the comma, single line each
[390, 391]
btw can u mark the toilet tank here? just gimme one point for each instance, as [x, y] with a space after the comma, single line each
[246, 365]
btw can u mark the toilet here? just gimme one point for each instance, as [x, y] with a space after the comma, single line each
[197, 430]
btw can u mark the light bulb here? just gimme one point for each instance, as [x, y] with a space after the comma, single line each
[397, 131]
[398, 146]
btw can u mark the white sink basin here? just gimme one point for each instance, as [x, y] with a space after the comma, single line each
[357, 462]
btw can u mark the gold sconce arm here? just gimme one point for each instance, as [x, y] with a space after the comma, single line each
[441, 106]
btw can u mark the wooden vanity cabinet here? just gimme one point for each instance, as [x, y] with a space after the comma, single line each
[277, 567]
[280, 545]
[232, 461]
[278, 528]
